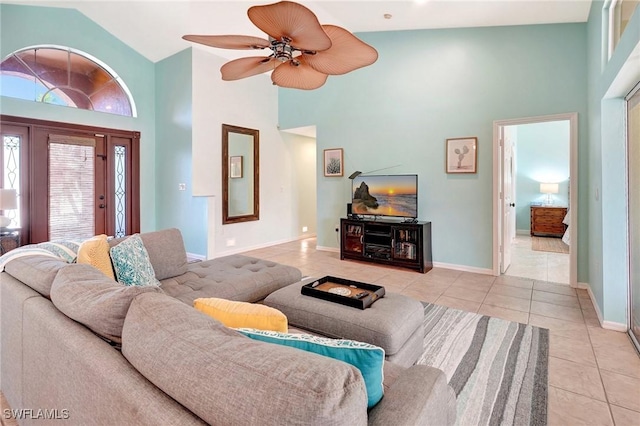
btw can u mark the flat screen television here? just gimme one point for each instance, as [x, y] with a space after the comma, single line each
[385, 195]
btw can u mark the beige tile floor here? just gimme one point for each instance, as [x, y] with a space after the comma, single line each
[594, 374]
[537, 265]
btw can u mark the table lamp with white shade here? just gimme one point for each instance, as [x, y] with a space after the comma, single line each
[549, 188]
[8, 201]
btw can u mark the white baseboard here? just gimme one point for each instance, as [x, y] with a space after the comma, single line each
[615, 326]
[264, 245]
[196, 256]
[608, 325]
[583, 286]
[331, 249]
[465, 268]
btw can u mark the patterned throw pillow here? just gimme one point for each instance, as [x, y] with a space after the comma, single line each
[242, 314]
[131, 263]
[95, 252]
[369, 359]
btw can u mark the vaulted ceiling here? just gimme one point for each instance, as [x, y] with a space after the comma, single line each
[154, 28]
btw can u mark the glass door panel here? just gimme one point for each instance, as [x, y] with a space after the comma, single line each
[353, 241]
[11, 173]
[71, 189]
[405, 243]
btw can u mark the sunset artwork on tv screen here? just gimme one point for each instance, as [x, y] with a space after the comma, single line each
[385, 195]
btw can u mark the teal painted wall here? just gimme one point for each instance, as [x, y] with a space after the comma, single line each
[175, 208]
[609, 81]
[542, 155]
[23, 26]
[430, 85]
[594, 165]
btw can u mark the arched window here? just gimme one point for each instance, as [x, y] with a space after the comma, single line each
[64, 76]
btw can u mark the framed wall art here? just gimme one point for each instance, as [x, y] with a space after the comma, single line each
[462, 155]
[333, 162]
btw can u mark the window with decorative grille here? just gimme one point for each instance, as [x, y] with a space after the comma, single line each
[60, 75]
[11, 172]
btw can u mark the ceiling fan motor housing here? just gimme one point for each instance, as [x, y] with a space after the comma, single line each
[283, 51]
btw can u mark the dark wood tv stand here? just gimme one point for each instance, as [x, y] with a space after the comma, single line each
[403, 244]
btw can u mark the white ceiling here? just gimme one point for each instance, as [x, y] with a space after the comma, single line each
[154, 28]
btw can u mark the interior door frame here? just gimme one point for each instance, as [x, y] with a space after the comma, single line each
[628, 178]
[572, 117]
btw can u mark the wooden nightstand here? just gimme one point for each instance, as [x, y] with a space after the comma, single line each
[9, 240]
[546, 221]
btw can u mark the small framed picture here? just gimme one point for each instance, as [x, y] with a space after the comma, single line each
[333, 162]
[235, 167]
[462, 155]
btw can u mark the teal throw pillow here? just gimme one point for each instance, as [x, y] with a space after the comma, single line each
[131, 263]
[369, 359]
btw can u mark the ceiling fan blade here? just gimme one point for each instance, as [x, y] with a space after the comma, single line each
[346, 54]
[301, 76]
[229, 41]
[247, 67]
[293, 21]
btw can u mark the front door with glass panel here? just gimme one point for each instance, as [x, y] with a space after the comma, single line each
[70, 185]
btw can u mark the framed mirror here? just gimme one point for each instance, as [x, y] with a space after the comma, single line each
[240, 174]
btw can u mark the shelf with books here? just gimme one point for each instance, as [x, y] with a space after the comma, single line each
[400, 244]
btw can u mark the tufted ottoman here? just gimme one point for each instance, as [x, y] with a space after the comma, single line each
[395, 322]
[235, 277]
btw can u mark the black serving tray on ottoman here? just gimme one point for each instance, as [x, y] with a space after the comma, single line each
[346, 292]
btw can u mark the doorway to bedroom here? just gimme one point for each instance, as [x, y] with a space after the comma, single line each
[534, 184]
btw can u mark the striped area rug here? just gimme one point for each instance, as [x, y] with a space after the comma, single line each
[497, 368]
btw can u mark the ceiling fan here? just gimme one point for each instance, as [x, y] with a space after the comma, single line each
[303, 52]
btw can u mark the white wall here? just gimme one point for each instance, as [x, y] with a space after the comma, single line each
[252, 103]
[303, 151]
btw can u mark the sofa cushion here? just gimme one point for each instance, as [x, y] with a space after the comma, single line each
[131, 263]
[227, 378]
[95, 252]
[36, 271]
[166, 250]
[235, 277]
[242, 314]
[86, 295]
[367, 358]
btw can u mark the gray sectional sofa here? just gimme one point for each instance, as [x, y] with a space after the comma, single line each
[90, 351]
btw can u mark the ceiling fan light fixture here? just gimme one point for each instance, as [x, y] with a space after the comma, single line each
[296, 38]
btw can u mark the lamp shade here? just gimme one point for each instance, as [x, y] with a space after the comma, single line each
[8, 199]
[549, 188]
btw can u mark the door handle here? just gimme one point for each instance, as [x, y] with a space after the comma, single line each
[512, 204]
[102, 206]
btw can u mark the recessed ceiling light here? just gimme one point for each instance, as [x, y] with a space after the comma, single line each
[387, 16]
